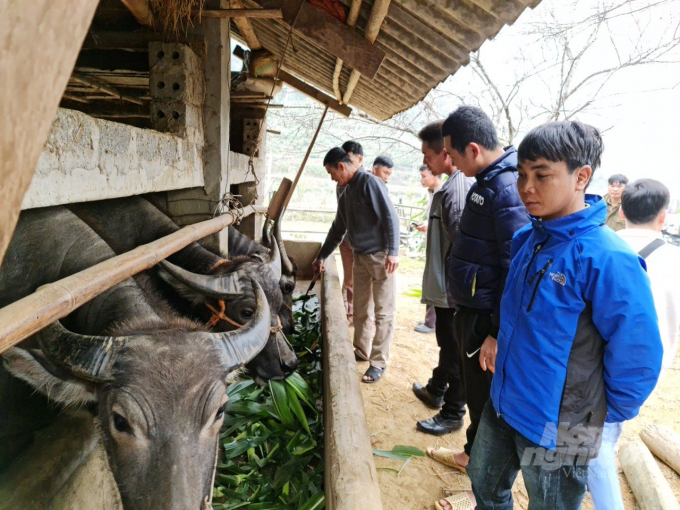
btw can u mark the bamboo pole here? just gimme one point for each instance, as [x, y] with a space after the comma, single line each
[375, 21]
[53, 301]
[304, 161]
[664, 443]
[105, 87]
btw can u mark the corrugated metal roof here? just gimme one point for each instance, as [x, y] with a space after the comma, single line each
[425, 41]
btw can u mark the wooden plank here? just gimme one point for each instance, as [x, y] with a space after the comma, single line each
[238, 13]
[140, 10]
[316, 94]
[38, 48]
[334, 36]
[279, 199]
[108, 110]
[55, 300]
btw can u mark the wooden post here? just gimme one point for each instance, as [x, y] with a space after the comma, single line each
[39, 47]
[664, 443]
[56, 300]
[650, 488]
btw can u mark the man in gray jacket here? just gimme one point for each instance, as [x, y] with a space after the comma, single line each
[367, 216]
[444, 390]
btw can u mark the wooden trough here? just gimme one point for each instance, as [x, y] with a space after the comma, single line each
[351, 480]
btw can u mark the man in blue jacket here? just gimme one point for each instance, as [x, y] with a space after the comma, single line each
[479, 258]
[579, 340]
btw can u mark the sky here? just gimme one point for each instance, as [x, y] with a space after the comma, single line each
[638, 109]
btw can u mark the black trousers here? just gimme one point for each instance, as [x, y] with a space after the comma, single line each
[446, 378]
[471, 327]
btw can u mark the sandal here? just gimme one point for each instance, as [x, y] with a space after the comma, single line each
[458, 501]
[358, 358]
[445, 456]
[374, 372]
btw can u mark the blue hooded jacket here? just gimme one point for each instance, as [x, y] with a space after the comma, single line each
[579, 339]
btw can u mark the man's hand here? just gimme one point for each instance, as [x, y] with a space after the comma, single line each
[319, 266]
[487, 354]
[422, 227]
[391, 263]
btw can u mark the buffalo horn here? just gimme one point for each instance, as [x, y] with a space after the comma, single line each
[84, 356]
[275, 261]
[265, 234]
[240, 346]
[287, 268]
[214, 286]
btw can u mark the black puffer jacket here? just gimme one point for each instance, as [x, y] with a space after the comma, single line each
[480, 257]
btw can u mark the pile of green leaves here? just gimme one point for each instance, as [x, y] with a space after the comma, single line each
[271, 454]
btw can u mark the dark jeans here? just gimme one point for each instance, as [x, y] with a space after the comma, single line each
[471, 327]
[446, 375]
[553, 480]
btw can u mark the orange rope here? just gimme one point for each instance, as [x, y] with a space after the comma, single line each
[220, 315]
[219, 263]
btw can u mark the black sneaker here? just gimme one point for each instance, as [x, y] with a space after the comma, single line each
[426, 397]
[438, 426]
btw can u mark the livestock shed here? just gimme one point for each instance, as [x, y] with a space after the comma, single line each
[106, 99]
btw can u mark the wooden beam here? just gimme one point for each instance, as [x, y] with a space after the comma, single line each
[245, 28]
[664, 443]
[340, 40]
[55, 300]
[140, 10]
[39, 45]
[238, 13]
[105, 87]
[139, 40]
[316, 94]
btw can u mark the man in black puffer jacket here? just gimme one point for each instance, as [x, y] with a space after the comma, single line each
[479, 259]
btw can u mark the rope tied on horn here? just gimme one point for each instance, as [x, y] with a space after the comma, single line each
[220, 315]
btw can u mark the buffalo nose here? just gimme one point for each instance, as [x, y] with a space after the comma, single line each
[289, 367]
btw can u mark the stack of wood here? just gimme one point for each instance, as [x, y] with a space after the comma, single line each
[645, 478]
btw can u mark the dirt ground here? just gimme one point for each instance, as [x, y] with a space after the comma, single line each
[392, 411]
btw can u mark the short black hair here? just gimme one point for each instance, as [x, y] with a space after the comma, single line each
[571, 141]
[424, 168]
[384, 161]
[334, 156]
[469, 124]
[618, 178]
[644, 200]
[353, 147]
[432, 136]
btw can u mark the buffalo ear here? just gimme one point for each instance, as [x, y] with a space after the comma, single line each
[55, 384]
[184, 291]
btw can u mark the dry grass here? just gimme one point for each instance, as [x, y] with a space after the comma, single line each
[174, 16]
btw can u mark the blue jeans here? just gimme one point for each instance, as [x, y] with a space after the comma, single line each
[553, 480]
[603, 477]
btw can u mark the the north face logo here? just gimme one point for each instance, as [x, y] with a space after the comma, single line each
[559, 278]
[477, 199]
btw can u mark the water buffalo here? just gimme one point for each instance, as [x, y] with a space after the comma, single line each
[240, 245]
[157, 382]
[201, 283]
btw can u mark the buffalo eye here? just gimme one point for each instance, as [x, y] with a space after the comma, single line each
[220, 412]
[121, 424]
[247, 314]
[288, 288]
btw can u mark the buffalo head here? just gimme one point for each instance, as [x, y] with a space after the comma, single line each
[160, 392]
[223, 299]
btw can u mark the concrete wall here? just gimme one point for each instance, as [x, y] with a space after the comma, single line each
[88, 159]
